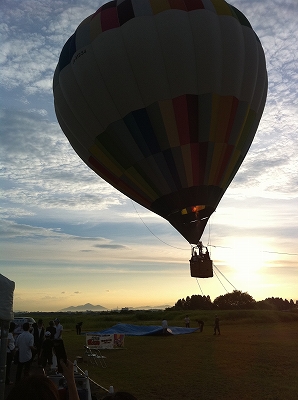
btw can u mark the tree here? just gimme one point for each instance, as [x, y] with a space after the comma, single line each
[235, 300]
[276, 303]
[195, 302]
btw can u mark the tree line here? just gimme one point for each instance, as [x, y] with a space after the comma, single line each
[236, 300]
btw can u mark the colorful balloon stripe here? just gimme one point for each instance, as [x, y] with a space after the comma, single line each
[209, 160]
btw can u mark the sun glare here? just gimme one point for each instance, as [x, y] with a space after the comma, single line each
[247, 257]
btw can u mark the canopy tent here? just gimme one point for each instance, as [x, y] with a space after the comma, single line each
[6, 315]
[142, 330]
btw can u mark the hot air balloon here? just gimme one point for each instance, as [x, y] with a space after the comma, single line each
[162, 99]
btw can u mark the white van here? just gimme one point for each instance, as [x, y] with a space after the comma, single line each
[19, 321]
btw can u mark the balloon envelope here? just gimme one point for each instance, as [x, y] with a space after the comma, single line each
[162, 99]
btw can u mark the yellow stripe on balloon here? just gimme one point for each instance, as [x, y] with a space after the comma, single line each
[95, 27]
[246, 130]
[105, 159]
[133, 175]
[221, 7]
[186, 155]
[168, 116]
[111, 164]
[159, 6]
[216, 162]
[241, 131]
[227, 176]
[223, 117]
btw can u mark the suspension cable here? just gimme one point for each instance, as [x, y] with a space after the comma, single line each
[209, 239]
[154, 233]
[261, 251]
[224, 276]
[200, 287]
[220, 281]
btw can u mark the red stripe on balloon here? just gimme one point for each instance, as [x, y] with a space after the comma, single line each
[192, 107]
[194, 156]
[181, 116]
[178, 5]
[193, 4]
[109, 19]
[118, 183]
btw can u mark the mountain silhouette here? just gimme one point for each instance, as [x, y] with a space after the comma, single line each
[84, 307]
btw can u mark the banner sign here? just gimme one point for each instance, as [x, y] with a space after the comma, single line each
[109, 341]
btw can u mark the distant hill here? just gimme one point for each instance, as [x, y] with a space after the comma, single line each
[163, 307]
[91, 307]
[84, 307]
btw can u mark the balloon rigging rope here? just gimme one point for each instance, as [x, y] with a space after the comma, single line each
[210, 245]
[223, 276]
[200, 286]
[261, 251]
[209, 239]
[153, 232]
[220, 280]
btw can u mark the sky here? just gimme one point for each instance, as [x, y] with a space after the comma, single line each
[68, 238]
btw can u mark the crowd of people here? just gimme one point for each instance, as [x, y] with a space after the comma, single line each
[37, 387]
[34, 342]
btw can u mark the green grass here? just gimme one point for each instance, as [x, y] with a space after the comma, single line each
[254, 358]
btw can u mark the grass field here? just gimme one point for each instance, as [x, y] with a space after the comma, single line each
[255, 357]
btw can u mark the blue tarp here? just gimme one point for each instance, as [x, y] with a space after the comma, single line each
[143, 330]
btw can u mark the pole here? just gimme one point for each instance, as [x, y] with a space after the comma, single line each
[4, 326]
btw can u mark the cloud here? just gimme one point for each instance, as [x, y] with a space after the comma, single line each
[36, 156]
[110, 246]
[271, 163]
[11, 230]
[50, 298]
[30, 35]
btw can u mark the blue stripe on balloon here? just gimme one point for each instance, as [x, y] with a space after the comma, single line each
[139, 125]
[67, 52]
[172, 167]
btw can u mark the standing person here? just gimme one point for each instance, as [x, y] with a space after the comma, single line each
[47, 350]
[52, 329]
[59, 329]
[79, 327]
[38, 334]
[9, 352]
[164, 325]
[216, 325]
[201, 324]
[200, 246]
[25, 344]
[187, 321]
